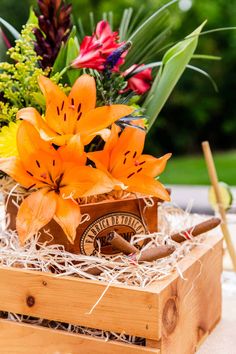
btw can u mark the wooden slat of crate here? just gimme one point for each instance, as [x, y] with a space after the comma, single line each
[191, 307]
[22, 338]
[69, 300]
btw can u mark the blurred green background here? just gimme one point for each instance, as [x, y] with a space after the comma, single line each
[194, 112]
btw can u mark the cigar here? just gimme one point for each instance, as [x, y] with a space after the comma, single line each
[154, 253]
[149, 255]
[196, 230]
[120, 244]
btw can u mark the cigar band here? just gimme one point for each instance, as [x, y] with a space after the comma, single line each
[186, 235]
[133, 258]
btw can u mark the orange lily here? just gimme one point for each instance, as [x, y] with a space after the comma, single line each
[123, 160]
[75, 114]
[60, 176]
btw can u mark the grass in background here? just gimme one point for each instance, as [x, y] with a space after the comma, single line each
[192, 169]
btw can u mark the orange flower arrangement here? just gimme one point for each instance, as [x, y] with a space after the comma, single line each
[122, 159]
[60, 176]
[53, 164]
[75, 114]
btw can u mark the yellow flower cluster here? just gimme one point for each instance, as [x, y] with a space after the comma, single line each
[18, 80]
[8, 140]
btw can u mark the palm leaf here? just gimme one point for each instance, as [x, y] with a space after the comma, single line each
[147, 32]
[110, 19]
[148, 53]
[92, 22]
[125, 22]
[137, 19]
[174, 61]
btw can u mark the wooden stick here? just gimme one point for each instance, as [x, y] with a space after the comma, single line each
[214, 181]
[196, 230]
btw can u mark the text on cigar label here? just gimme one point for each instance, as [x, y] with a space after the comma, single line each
[126, 224]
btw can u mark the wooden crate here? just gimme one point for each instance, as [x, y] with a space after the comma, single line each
[127, 217]
[174, 315]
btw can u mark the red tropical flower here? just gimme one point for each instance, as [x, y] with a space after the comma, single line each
[140, 82]
[95, 49]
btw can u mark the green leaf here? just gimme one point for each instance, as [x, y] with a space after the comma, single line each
[148, 36]
[104, 16]
[110, 19]
[92, 21]
[174, 61]
[72, 50]
[138, 17]
[72, 53]
[39, 98]
[81, 28]
[205, 57]
[61, 59]
[124, 25]
[149, 21]
[159, 64]
[33, 19]
[204, 73]
[10, 28]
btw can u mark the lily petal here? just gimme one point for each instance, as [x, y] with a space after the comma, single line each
[152, 166]
[146, 185]
[29, 141]
[14, 168]
[100, 118]
[58, 140]
[68, 216]
[73, 151]
[34, 213]
[100, 158]
[145, 165]
[83, 94]
[56, 104]
[79, 181]
[38, 157]
[113, 137]
[127, 150]
[32, 116]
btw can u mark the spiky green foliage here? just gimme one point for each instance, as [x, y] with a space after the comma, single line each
[18, 79]
[146, 33]
[108, 90]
